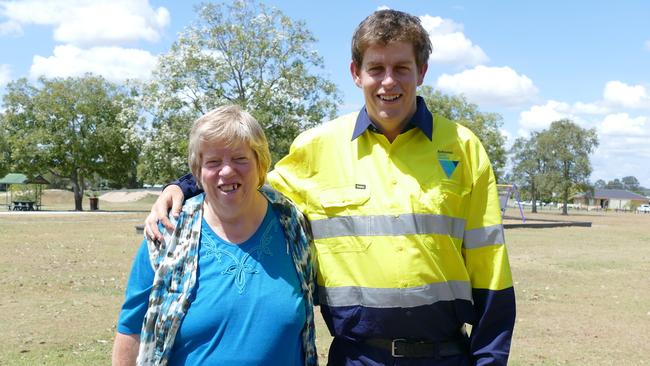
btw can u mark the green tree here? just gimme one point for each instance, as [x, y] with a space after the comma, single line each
[73, 128]
[244, 53]
[615, 184]
[4, 148]
[484, 125]
[600, 184]
[631, 183]
[567, 147]
[530, 166]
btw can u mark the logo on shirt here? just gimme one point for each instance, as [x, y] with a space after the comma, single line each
[448, 162]
[360, 186]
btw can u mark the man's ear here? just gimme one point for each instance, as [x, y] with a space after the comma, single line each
[356, 74]
[422, 72]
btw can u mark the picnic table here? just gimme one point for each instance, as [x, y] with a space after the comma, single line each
[23, 205]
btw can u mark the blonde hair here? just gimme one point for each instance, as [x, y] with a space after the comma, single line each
[228, 124]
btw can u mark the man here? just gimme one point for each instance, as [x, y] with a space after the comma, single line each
[405, 215]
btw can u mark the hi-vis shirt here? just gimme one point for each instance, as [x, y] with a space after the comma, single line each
[408, 235]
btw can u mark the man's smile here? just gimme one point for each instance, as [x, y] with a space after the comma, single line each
[389, 98]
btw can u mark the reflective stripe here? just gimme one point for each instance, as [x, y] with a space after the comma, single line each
[484, 236]
[380, 225]
[395, 297]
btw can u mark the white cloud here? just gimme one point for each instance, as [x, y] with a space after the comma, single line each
[623, 148]
[539, 117]
[623, 137]
[10, 28]
[5, 75]
[617, 163]
[88, 22]
[621, 124]
[590, 108]
[508, 136]
[490, 85]
[450, 46]
[619, 94]
[113, 63]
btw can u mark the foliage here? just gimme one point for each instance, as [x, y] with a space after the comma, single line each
[23, 192]
[243, 53]
[615, 184]
[530, 165]
[629, 183]
[484, 125]
[567, 146]
[4, 149]
[554, 162]
[74, 128]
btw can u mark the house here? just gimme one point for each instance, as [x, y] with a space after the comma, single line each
[616, 199]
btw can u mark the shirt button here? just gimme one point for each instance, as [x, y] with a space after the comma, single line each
[394, 182]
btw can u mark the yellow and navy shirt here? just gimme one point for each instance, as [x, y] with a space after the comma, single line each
[408, 235]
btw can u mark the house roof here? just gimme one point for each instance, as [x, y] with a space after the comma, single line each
[17, 178]
[619, 194]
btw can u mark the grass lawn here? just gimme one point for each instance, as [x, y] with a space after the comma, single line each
[583, 294]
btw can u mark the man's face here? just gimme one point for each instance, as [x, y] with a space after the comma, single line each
[389, 78]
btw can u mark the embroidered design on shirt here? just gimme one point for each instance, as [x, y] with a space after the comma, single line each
[241, 268]
[448, 162]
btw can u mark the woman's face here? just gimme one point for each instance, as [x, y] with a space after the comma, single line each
[229, 176]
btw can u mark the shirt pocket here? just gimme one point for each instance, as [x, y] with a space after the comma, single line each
[335, 200]
[345, 229]
[444, 197]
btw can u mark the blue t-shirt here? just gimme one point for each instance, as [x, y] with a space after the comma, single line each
[247, 307]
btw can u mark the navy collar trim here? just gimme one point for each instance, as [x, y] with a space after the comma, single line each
[422, 119]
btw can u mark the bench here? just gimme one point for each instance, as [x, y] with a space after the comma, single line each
[23, 206]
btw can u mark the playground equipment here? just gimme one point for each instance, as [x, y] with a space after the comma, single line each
[505, 192]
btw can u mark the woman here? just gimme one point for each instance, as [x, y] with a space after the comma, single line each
[233, 284]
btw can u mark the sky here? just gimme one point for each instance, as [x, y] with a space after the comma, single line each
[533, 62]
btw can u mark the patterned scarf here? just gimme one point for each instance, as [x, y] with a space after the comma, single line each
[175, 262]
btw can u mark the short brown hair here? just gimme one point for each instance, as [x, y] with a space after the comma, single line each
[385, 26]
[228, 125]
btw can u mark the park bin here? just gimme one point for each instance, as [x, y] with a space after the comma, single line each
[94, 203]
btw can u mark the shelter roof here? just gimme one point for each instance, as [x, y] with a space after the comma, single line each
[17, 178]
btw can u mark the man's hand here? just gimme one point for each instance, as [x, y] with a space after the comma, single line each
[171, 196]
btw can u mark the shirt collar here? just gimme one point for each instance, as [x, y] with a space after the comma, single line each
[422, 119]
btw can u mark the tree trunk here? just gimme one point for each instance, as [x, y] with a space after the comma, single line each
[567, 179]
[78, 191]
[534, 194]
[565, 209]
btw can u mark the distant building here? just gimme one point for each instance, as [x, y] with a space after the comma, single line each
[616, 199]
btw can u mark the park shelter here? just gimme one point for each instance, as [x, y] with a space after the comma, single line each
[28, 194]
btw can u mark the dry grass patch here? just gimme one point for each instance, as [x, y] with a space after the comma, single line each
[583, 294]
[64, 280]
